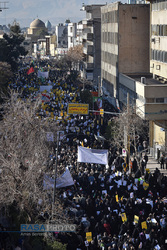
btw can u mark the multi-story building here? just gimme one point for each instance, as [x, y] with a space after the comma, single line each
[158, 67]
[158, 36]
[92, 43]
[124, 42]
[72, 34]
[62, 35]
[149, 91]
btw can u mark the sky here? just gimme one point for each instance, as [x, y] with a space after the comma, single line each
[56, 11]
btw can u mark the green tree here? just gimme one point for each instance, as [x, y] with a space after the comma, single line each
[5, 74]
[86, 97]
[41, 33]
[11, 47]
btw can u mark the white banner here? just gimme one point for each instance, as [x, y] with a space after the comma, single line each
[98, 156]
[43, 74]
[45, 87]
[64, 180]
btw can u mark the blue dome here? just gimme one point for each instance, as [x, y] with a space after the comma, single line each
[48, 25]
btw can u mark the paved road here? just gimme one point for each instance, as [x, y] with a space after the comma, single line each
[152, 164]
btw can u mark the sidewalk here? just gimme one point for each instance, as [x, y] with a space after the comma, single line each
[152, 164]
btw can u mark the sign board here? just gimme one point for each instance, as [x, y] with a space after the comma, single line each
[89, 236]
[124, 152]
[78, 108]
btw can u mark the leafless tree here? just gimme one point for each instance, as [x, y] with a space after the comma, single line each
[74, 55]
[24, 151]
[126, 127]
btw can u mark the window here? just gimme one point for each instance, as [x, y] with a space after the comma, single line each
[165, 56]
[159, 100]
[71, 39]
[70, 29]
[165, 30]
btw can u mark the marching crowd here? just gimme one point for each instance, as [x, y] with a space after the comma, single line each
[119, 208]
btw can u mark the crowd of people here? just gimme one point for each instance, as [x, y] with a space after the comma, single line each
[119, 207]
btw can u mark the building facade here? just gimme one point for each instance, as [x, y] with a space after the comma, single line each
[92, 43]
[158, 32]
[72, 35]
[124, 42]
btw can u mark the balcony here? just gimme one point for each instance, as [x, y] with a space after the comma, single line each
[88, 36]
[88, 50]
[89, 66]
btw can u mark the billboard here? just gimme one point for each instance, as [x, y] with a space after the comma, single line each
[78, 108]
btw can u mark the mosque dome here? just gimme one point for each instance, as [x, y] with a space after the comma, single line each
[37, 23]
[48, 25]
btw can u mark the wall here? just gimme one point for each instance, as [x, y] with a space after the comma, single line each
[134, 38]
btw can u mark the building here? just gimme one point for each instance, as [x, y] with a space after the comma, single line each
[158, 67]
[92, 43]
[148, 92]
[62, 35]
[72, 35]
[36, 27]
[124, 43]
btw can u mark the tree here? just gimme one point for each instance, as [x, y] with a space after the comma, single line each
[24, 152]
[74, 55]
[41, 33]
[11, 48]
[5, 75]
[124, 128]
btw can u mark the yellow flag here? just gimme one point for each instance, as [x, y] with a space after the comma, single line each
[89, 236]
[144, 225]
[145, 185]
[136, 219]
[123, 216]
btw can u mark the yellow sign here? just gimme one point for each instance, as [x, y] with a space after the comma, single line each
[123, 216]
[136, 219]
[78, 108]
[144, 225]
[101, 111]
[89, 236]
[145, 185]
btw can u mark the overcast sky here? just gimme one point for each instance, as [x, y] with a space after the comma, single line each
[56, 11]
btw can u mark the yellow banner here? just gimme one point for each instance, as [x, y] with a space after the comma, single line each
[145, 185]
[136, 219]
[144, 225]
[116, 197]
[78, 108]
[123, 216]
[89, 236]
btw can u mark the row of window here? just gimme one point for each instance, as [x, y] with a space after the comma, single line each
[109, 58]
[159, 30]
[159, 55]
[110, 37]
[159, 5]
[156, 100]
[110, 17]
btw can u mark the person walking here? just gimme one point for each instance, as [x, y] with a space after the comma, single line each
[162, 161]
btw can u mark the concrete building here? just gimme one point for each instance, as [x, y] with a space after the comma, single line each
[158, 33]
[72, 35]
[62, 35]
[124, 42]
[149, 91]
[92, 43]
[35, 28]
